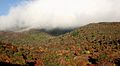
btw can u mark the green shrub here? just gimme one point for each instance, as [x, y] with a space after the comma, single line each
[75, 33]
[102, 56]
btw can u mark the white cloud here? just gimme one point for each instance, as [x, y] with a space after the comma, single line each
[49, 14]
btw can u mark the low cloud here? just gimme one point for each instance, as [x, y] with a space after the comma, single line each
[51, 14]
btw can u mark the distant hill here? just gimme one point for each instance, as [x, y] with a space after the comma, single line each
[95, 44]
[29, 37]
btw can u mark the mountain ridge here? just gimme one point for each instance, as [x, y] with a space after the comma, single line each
[95, 44]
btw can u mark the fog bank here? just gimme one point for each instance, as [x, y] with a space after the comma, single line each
[51, 14]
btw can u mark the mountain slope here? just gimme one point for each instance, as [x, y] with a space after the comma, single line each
[95, 44]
